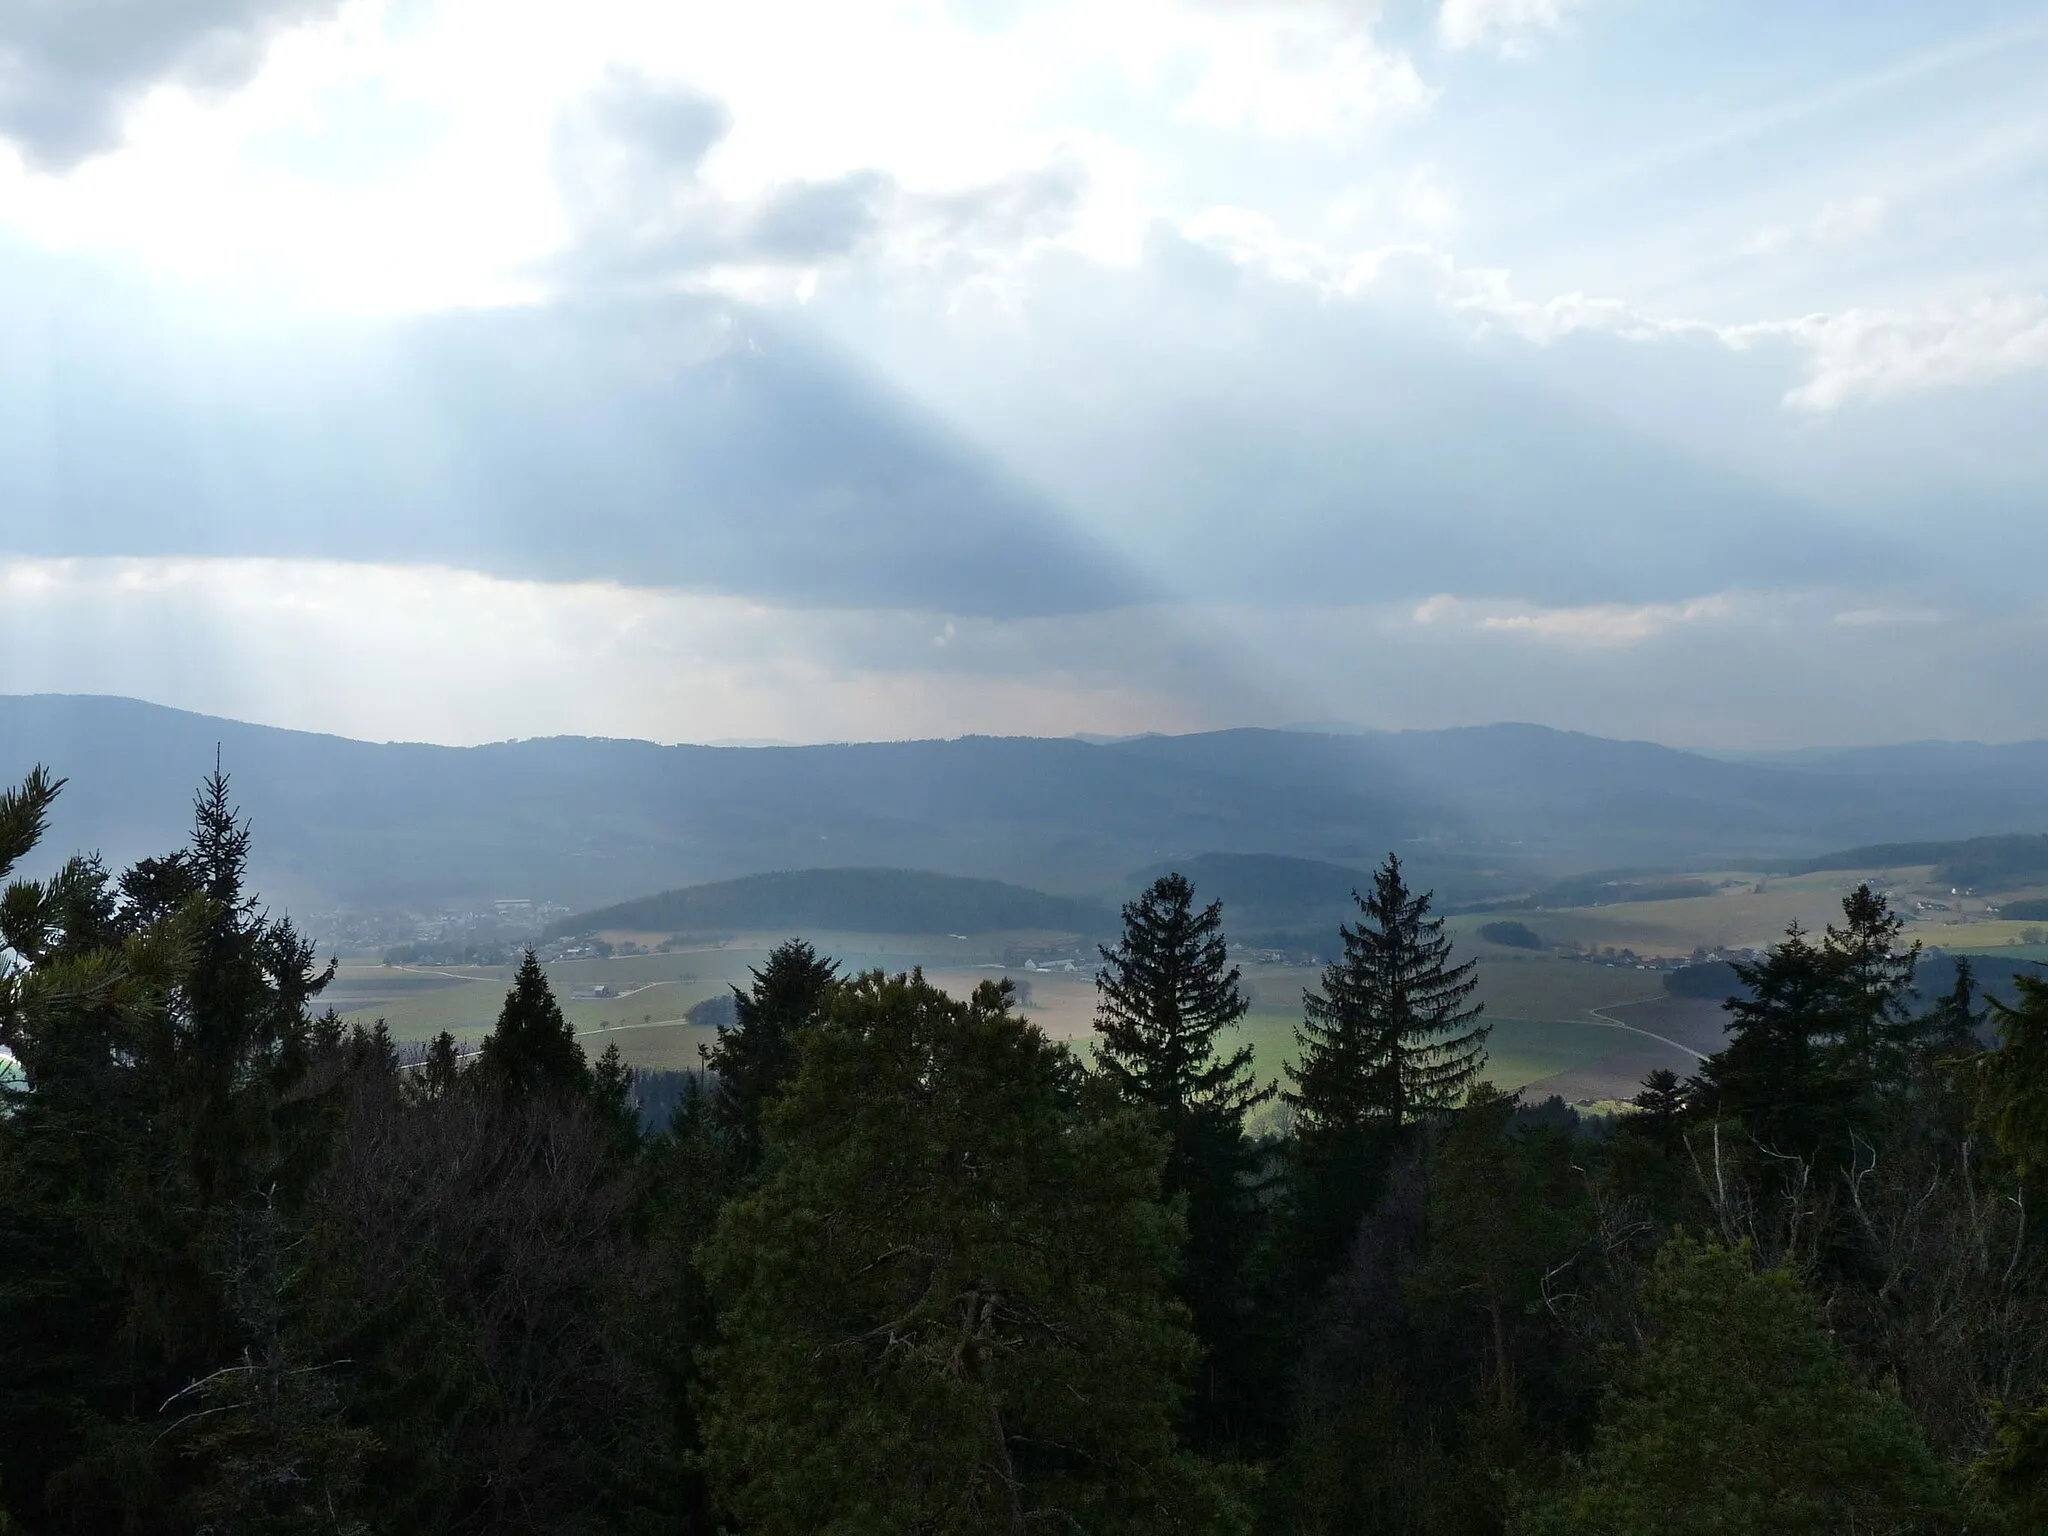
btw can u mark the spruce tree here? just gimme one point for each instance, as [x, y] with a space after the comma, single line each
[442, 1069]
[1392, 1038]
[1660, 1109]
[611, 1094]
[1774, 1074]
[533, 1050]
[754, 1056]
[2014, 1078]
[163, 1032]
[1163, 996]
[1873, 979]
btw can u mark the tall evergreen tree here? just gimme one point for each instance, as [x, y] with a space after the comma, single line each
[1164, 994]
[754, 1056]
[1392, 1037]
[1774, 1074]
[442, 1069]
[1822, 1032]
[1660, 1106]
[1949, 1030]
[2015, 1077]
[162, 1031]
[1872, 1029]
[533, 1051]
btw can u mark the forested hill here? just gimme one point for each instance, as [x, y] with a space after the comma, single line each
[2015, 859]
[848, 901]
[1474, 812]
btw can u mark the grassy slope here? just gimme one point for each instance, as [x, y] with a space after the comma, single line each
[1537, 1005]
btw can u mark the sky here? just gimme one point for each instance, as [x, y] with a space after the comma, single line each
[457, 370]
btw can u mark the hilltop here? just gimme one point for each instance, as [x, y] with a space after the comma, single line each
[1477, 813]
[892, 901]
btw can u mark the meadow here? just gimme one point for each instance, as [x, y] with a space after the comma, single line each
[1552, 1029]
[1539, 1005]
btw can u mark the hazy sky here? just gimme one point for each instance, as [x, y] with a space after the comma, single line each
[460, 369]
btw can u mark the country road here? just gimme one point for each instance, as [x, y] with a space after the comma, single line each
[1602, 1017]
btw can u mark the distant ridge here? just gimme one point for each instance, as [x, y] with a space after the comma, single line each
[2018, 858]
[848, 901]
[1477, 813]
[1266, 889]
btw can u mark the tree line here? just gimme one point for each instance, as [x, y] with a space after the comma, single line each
[898, 1262]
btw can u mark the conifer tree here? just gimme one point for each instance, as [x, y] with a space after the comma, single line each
[1873, 980]
[1390, 1039]
[1948, 1031]
[1164, 994]
[2015, 1078]
[754, 1056]
[442, 1068]
[1774, 1074]
[1660, 1108]
[163, 1031]
[611, 1093]
[533, 1049]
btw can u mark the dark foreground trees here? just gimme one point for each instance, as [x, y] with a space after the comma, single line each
[533, 1051]
[1740, 1416]
[946, 1306]
[253, 1275]
[1164, 996]
[902, 1263]
[1392, 1039]
[172, 1121]
[754, 1056]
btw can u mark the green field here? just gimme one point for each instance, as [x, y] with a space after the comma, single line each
[1537, 1004]
[1753, 910]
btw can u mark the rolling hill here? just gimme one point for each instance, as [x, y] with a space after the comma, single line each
[896, 901]
[1987, 862]
[1476, 813]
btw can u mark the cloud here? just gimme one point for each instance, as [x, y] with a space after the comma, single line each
[630, 162]
[1871, 618]
[1852, 356]
[443, 654]
[1590, 624]
[1868, 355]
[679, 440]
[1509, 25]
[1300, 71]
[69, 68]
[1846, 220]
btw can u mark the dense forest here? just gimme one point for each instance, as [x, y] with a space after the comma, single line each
[896, 1262]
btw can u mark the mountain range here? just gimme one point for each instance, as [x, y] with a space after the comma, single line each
[1478, 812]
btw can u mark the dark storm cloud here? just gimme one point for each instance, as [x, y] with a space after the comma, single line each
[672, 442]
[1269, 444]
[68, 68]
